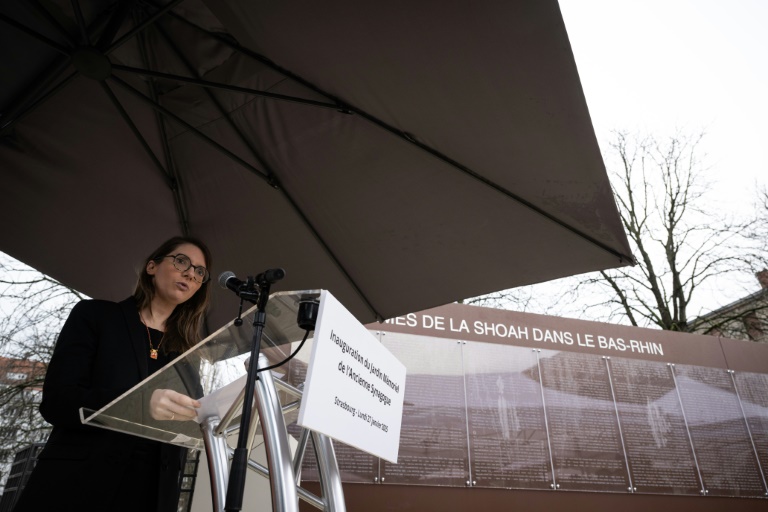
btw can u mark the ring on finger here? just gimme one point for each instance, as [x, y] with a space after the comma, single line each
[173, 415]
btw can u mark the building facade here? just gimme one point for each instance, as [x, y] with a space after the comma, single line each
[744, 319]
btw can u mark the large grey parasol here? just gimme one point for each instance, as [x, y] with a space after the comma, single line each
[402, 154]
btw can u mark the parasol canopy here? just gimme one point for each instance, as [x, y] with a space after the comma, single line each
[400, 154]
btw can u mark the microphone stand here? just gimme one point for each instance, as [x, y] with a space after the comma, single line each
[237, 473]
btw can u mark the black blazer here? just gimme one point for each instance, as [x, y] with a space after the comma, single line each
[101, 353]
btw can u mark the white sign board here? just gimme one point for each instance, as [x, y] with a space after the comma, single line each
[355, 387]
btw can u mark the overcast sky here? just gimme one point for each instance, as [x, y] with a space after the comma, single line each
[661, 65]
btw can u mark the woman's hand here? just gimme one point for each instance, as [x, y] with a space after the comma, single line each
[167, 404]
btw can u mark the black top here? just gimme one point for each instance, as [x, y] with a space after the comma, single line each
[102, 352]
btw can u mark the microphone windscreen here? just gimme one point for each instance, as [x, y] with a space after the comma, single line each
[224, 277]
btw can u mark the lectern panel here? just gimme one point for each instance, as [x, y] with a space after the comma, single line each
[211, 371]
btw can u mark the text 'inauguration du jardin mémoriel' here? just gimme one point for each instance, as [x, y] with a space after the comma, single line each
[367, 381]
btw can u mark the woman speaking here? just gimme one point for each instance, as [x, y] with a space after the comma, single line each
[104, 349]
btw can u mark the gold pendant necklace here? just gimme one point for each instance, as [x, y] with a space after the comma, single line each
[152, 349]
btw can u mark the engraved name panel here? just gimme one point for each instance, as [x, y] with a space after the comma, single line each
[433, 438]
[726, 458]
[508, 437]
[655, 437]
[584, 432]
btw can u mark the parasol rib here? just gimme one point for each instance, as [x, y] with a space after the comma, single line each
[178, 195]
[113, 25]
[42, 11]
[330, 253]
[404, 135]
[305, 220]
[226, 87]
[33, 96]
[45, 40]
[80, 22]
[166, 177]
[191, 128]
[219, 107]
[25, 103]
[117, 44]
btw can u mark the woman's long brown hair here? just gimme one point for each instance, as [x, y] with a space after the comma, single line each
[182, 329]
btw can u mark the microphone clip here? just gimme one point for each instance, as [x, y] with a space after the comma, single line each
[247, 291]
[253, 289]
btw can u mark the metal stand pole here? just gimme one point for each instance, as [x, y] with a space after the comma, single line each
[218, 461]
[282, 470]
[330, 478]
[281, 477]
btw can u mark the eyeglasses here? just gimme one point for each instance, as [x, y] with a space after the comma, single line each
[182, 263]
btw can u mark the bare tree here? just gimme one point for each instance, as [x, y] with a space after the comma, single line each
[520, 299]
[33, 308]
[680, 244]
[684, 248]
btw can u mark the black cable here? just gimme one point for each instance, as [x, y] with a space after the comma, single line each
[306, 335]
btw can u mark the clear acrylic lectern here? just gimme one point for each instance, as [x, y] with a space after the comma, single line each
[213, 371]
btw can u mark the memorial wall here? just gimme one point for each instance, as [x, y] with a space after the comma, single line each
[499, 399]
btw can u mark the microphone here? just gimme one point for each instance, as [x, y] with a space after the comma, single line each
[270, 276]
[229, 280]
[242, 289]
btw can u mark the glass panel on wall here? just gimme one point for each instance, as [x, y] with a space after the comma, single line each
[355, 466]
[753, 390]
[655, 436]
[433, 438]
[726, 458]
[507, 433]
[584, 433]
